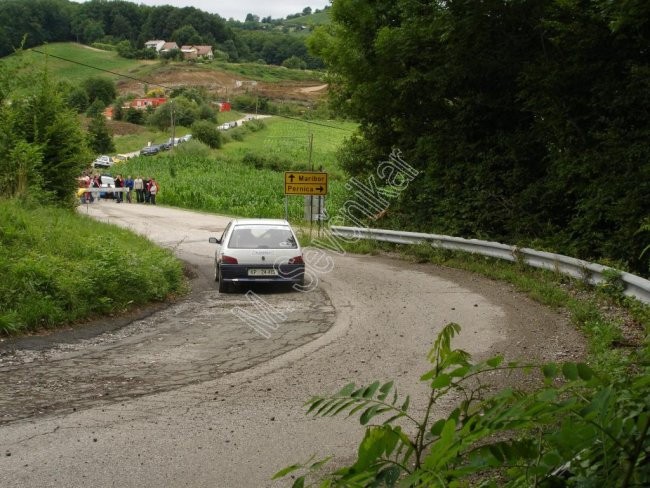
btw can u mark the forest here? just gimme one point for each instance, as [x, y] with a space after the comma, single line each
[528, 120]
[36, 22]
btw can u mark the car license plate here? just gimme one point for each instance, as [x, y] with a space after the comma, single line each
[262, 272]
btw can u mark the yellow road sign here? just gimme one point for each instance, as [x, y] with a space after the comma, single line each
[305, 183]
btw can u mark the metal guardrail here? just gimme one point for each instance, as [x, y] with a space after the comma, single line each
[593, 273]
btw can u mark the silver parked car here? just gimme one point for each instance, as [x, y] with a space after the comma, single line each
[258, 251]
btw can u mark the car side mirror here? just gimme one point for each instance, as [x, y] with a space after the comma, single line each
[214, 240]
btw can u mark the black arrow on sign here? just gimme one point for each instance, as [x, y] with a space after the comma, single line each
[320, 189]
[291, 177]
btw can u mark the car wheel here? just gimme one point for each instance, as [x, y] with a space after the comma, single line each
[223, 286]
[216, 272]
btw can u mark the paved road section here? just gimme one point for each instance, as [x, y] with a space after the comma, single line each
[210, 402]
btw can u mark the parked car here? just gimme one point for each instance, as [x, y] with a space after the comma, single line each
[150, 150]
[166, 146]
[106, 181]
[186, 138]
[120, 158]
[257, 251]
[103, 162]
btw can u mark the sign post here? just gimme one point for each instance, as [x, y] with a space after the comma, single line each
[305, 183]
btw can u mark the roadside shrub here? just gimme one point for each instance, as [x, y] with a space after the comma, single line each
[579, 429]
[57, 267]
[207, 133]
[272, 162]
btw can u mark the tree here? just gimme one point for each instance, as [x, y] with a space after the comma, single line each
[306, 11]
[207, 133]
[187, 35]
[294, 62]
[99, 139]
[42, 144]
[512, 112]
[77, 99]
[99, 88]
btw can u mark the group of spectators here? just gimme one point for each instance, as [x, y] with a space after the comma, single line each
[145, 189]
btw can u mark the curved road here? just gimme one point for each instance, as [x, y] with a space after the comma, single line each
[194, 395]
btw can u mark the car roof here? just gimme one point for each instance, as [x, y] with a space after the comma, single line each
[280, 222]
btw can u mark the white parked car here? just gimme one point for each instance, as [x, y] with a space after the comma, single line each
[103, 162]
[258, 251]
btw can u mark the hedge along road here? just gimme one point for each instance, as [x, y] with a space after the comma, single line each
[190, 395]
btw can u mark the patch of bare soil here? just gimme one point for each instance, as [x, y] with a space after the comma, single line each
[120, 128]
[222, 84]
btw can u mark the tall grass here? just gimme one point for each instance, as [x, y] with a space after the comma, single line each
[57, 267]
[194, 179]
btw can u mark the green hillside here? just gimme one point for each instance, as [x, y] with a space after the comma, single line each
[49, 54]
[319, 18]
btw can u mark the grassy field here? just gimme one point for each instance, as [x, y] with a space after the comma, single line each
[193, 178]
[246, 178]
[73, 72]
[288, 139]
[314, 19]
[268, 73]
[58, 267]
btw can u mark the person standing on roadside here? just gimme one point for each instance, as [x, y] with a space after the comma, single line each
[153, 191]
[138, 186]
[119, 183]
[128, 183]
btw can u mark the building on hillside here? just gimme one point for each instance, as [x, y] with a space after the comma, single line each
[155, 44]
[108, 112]
[168, 46]
[196, 52]
[143, 103]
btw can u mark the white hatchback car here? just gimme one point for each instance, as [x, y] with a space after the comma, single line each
[258, 251]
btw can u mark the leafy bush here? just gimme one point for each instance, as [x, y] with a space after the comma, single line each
[57, 267]
[207, 133]
[580, 429]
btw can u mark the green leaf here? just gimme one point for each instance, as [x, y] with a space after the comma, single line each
[315, 405]
[550, 371]
[495, 361]
[321, 463]
[405, 405]
[299, 483]
[436, 428]
[368, 414]
[285, 471]
[585, 372]
[441, 381]
[570, 371]
[370, 390]
[357, 408]
[346, 390]
[384, 390]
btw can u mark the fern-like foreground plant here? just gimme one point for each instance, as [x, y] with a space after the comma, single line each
[578, 429]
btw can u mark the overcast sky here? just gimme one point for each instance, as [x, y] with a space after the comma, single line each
[237, 9]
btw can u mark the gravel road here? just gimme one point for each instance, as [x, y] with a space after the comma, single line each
[190, 395]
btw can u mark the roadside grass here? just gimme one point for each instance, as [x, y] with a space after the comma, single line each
[58, 267]
[614, 337]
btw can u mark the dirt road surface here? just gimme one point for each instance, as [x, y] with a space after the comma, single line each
[191, 395]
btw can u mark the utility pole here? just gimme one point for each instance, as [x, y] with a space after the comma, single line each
[173, 125]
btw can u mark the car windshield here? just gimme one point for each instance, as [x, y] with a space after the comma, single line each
[262, 237]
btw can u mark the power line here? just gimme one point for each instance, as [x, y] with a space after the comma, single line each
[170, 88]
